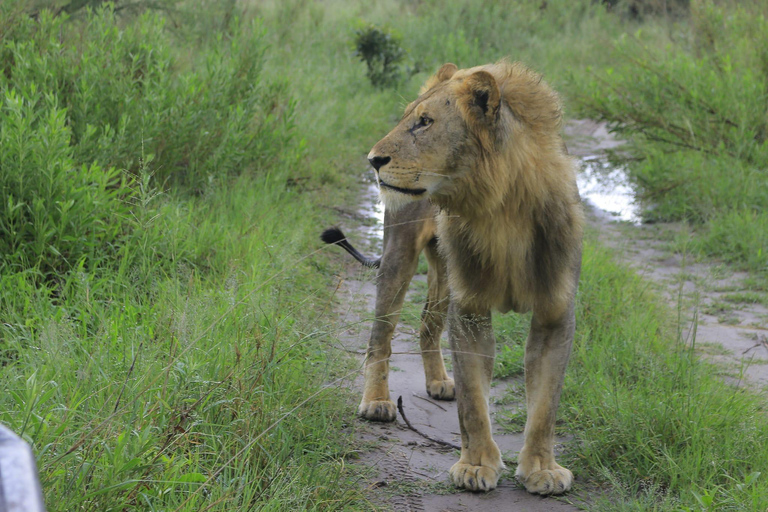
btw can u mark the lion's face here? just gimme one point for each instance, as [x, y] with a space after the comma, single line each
[431, 148]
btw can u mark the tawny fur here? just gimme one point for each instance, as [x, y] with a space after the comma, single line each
[484, 146]
[508, 182]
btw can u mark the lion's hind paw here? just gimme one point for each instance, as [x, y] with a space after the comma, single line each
[442, 389]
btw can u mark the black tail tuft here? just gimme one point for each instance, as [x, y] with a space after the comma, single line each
[335, 236]
[332, 235]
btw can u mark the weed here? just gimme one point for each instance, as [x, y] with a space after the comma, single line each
[746, 298]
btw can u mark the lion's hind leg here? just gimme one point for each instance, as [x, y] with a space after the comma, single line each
[439, 384]
[546, 356]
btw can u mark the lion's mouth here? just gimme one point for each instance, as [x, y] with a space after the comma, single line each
[408, 191]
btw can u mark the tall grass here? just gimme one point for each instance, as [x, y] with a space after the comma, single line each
[160, 321]
[652, 415]
[186, 390]
[163, 310]
[695, 112]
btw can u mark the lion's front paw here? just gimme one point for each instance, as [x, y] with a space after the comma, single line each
[556, 480]
[377, 410]
[474, 478]
[441, 389]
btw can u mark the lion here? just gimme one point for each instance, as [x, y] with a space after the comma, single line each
[476, 174]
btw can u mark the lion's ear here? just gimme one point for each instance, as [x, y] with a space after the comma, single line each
[480, 97]
[445, 72]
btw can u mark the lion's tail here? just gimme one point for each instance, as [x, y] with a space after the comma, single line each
[336, 236]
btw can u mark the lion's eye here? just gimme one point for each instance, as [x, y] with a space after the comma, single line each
[425, 121]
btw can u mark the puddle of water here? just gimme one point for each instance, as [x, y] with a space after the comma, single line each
[373, 208]
[608, 189]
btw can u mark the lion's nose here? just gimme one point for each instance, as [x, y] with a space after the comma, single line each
[379, 161]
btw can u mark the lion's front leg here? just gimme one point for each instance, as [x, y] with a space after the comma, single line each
[473, 347]
[546, 356]
[398, 264]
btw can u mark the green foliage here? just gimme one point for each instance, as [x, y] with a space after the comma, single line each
[199, 126]
[511, 333]
[54, 213]
[382, 53]
[89, 105]
[181, 388]
[655, 420]
[696, 113]
[738, 236]
[152, 348]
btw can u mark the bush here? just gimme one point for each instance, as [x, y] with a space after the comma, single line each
[697, 115]
[90, 103]
[382, 54]
[53, 212]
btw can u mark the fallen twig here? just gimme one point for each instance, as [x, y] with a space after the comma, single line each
[425, 436]
[430, 401]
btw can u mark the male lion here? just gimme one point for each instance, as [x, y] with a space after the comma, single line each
[483, 145]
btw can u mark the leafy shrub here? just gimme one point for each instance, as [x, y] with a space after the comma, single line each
[90, 103]
[382, 54]
[53, 211]
[124, 98]
[697, 115]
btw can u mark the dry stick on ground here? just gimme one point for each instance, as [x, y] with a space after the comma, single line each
[425, 436]
[430, 401]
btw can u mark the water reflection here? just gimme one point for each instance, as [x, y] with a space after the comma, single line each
[373, 208]
[608, 189]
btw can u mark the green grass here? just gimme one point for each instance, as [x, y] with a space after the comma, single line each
[746, 298]
[654, 424]
[165, 340]
[189, 389]
[692, 104]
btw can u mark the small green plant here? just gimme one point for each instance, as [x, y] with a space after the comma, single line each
[509, 361]
[382, 53]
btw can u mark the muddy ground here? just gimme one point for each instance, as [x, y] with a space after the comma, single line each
[407, 472]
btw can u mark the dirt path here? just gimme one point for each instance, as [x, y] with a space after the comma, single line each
[408, 472]
[711, 298]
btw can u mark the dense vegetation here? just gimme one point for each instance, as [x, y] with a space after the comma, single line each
[164, 307]
[694, 104]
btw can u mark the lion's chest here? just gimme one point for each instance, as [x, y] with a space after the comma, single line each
[489, 265]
